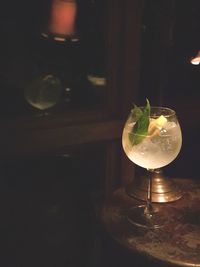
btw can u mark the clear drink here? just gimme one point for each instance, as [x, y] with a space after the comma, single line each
[158, 148]
[151, 139]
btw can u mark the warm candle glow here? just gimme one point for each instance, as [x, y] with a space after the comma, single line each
[63, 16]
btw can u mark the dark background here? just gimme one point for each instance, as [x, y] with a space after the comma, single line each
[49, 202]
[170, 39]
[26, 55]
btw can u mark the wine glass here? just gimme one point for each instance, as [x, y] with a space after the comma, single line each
[152, 150]
[43, 93]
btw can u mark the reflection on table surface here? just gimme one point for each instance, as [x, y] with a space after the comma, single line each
[178, 242]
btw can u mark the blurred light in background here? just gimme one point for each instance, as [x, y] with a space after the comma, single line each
[196, 60]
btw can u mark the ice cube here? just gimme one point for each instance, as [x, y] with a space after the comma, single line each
[146, 147]
[168, 128]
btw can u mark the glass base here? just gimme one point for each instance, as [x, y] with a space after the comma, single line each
[139, 217]
[164, 189]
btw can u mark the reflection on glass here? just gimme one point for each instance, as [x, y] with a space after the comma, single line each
[63, 15]
[44, 92]
[96, 80]
[74, 47]
[59, 39]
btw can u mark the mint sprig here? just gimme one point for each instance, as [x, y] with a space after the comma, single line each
[140, 129]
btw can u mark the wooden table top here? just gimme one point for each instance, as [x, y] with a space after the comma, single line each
[176, 243]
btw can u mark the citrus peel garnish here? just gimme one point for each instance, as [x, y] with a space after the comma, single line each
[156, 125]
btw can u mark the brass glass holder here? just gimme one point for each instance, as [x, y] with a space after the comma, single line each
[163, 189]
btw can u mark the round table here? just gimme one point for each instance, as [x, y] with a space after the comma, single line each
[176, 243]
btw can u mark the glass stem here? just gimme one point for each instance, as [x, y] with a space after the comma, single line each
[148, 212]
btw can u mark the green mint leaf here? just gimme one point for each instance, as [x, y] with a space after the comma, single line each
[136, 113]
[140, 129]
